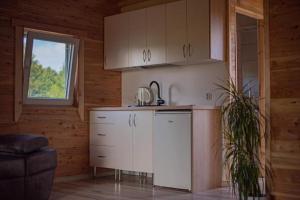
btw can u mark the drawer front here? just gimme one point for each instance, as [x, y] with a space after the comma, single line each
[103, 134]
[103, 156]
[102, 117]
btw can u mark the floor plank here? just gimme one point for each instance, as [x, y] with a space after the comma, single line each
[105, 188]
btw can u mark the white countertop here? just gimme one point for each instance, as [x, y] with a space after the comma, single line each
[179, 107]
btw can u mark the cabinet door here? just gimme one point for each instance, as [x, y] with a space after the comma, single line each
[172, 150]
[137, 38]
[156, 35]
[176, 32]
[198, 31]
[116, 41]
[124, 140]
[142, 141]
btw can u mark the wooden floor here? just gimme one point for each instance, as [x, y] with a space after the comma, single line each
[129, 188]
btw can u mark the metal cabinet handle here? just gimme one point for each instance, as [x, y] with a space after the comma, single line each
[101, 134]
[144, 55]
[134, 122]
[149, 55]
[183, 49]
[101, 117]
[129, 120]
[190, 54]
[101, 156]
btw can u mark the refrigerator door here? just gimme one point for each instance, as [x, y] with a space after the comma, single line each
[172, 150]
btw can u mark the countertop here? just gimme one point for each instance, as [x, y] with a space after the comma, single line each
[156, 108]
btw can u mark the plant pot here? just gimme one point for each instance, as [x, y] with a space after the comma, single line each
[262, 189]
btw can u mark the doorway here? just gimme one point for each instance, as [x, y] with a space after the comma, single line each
[247, 55]
[248, 60]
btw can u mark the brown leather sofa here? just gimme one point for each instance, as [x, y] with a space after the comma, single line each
[27, 167]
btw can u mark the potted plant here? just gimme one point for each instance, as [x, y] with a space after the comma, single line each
[242, 122]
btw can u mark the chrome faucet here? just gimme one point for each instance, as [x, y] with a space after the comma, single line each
[159, 100]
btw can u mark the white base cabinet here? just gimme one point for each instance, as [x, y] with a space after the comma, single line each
[121, 140]
[142, 139]
[185, 149]
[110, 147]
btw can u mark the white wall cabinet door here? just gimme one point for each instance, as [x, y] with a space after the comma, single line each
[116, 41]
[198, 32]
[176, 34]
[142, 141]
[156, 35]
[137, 38]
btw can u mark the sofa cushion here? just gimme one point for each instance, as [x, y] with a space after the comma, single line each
[11, 167]
[40, 161]
[22, 143]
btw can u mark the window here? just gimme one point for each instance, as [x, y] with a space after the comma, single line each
[49, 68]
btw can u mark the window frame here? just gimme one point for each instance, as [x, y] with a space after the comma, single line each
[31, 35]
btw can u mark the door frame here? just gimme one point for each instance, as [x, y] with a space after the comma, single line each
[234, 8]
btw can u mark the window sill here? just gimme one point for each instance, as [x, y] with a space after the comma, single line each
[50, 107]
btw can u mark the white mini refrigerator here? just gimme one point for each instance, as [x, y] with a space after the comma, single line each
[172, 149]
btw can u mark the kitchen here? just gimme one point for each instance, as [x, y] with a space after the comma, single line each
[171, 58]
[124, 99]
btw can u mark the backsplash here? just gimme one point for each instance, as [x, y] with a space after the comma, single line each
[180, 85]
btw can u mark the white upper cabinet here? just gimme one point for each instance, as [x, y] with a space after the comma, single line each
[147, 36]
[116, 41]
[198, 41]
[156, 35]
[137, 38]
[195, 31]
[176, 32]
[179, 33]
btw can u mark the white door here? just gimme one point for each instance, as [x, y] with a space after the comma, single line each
[116, 41]
[172, 150]
[142, 141]
[137, 38]
[198, 30]
[156, 35]
[123, 130]
[176, 35]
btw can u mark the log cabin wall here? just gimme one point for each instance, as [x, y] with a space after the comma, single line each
[129, 5]
[62, 125]
[285, 97]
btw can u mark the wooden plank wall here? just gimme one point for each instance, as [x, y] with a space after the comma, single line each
[285, 97]
[62, 125]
